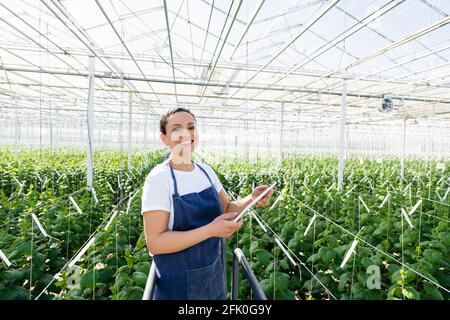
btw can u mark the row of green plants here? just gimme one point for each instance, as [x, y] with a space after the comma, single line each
[40, 183]
[117, 263]
[410, 260]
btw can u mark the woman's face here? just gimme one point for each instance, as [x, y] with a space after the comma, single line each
[181, 134]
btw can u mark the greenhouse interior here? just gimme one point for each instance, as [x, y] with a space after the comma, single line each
[342, 107]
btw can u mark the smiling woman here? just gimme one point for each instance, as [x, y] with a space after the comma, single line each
[186, 213]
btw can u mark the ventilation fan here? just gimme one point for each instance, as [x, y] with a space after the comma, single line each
[387, 104]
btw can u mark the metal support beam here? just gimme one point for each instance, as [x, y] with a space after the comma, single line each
[247, 27]
[171, 50]
[224, 84]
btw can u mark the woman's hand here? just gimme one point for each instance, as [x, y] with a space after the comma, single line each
[264, 201]
[223, 226]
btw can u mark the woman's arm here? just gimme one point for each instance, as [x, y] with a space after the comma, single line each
[160, 240]
[240, 204]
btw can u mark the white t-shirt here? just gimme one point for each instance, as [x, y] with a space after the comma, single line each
[159, 187]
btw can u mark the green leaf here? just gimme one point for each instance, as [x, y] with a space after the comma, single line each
[432, 291]
[134, 293]
[326, 255]
[358, 290]
[263, 256]
[14, 293]
[343, 279]
[280, 279]
[121, 280]
[88, 279]
[143, 267]
[432, 256]
[267, 286]
[410, 293]
[139, 278]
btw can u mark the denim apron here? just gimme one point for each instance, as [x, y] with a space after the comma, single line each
[195, 273]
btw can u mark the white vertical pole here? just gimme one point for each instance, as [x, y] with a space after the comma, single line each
[342, 133]
[90, 122]
[347, 138]
[145, 135]
[130, 106]
[313, 140]
[281, 134]
[145, 128]
[17, 128]
[402, 160]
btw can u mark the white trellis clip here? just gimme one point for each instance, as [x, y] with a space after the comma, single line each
[21, 185]
[95, 195]
[39, 177]
[110, 187]
[439, 195]
[110, 220]
[348, 192]
[241, 180]
[75, 205]
[280, 198]
[39, 225]
[331, 187]
[310, 224]
[384, 200]
[364, 204]
[291, 185]
[119, 184]
[18, 182]
[129, 201]
[415, 207]
[306, 186]
[306, 177]
[407, 218]
[5, 259]
[407, 187]
[445, 195]
[286, 252]
[81, 253]
[349, 253]
[315, 182]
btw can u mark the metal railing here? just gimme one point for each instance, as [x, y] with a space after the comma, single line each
[239, 259]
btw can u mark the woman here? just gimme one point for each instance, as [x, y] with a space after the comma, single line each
[186, 212]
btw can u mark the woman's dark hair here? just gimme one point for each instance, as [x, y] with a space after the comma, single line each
[166, 116]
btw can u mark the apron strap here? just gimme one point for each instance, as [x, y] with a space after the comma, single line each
[205, 174]
[174, 180]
